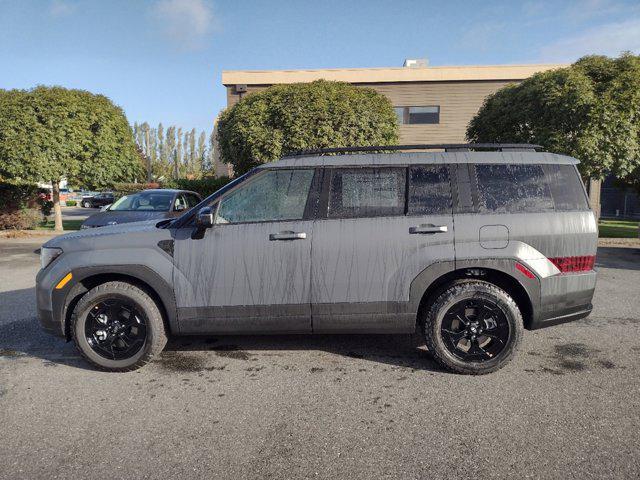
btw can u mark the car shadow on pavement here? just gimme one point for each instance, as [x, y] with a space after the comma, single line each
[21, 336]
[618, 257]
[394, 350]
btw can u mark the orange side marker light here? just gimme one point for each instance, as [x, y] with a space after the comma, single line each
[64, 281]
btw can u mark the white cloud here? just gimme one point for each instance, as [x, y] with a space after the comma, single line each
[60, 8]
[608, 39]
[186, 22]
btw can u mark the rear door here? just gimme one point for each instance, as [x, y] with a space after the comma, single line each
[378, 229]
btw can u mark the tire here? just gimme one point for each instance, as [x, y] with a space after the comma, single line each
[150, 335]
[86, 204]
[485, 320]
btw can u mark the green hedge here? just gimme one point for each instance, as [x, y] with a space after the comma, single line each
[204, 186]
[71, 203]
[17, 195]
[120, 189]
[18, 206]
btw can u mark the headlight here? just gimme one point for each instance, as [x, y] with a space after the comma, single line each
[48, 255]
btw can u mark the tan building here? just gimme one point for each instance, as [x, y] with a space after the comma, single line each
[433, 104]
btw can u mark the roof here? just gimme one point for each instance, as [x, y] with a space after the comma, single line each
[387, 75]
[403, 158]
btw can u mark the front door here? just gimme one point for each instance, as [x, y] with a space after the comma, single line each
[250, 272]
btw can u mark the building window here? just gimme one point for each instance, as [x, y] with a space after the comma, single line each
[418, 115]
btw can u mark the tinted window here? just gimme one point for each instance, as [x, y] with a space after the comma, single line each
[192, 200]
[512, 188]
[566, 188]
[273, 195]
[367, 192]
[429, 190]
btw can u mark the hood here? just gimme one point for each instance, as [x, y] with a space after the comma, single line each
[116, 218]
[91, 237]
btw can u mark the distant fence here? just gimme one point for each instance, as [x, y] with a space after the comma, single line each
[618, 202]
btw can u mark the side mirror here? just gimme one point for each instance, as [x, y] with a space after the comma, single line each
[179, 208]
[105, 208]
[204, 219]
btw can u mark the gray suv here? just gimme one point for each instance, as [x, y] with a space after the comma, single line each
[469, 246]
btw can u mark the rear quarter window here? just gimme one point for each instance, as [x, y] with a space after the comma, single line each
[508, 188]
[566, 187]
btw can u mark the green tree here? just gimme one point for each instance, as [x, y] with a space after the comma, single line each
[52, 133]
[282, 119]
[178, 153]
[590, 110]
[202, 152]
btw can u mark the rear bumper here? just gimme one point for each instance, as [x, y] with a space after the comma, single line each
[563, 317]
[564, 298]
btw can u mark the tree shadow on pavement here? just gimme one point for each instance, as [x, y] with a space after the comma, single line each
[21, 335]
[623, 258]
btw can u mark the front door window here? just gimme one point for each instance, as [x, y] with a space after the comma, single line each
[276, 195]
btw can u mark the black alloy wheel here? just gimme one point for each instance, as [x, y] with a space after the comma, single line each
[475, 330]
[115, 329]
[472, 327]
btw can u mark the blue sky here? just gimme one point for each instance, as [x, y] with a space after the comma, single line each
[161, 60]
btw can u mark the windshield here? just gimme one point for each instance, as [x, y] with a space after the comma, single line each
[143, 202]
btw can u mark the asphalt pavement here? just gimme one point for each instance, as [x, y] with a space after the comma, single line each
[327, 407]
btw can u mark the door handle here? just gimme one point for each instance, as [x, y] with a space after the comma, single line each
[288, 235]
[428, 229]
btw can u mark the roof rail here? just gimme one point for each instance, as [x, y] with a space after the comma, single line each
[447, 147]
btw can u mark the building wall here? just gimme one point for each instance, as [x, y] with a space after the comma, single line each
[459, 101]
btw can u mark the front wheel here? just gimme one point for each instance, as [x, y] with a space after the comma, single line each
[118, 327]
[472, 327]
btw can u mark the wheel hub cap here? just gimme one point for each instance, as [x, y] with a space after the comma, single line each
[115, 329]
[475, 330]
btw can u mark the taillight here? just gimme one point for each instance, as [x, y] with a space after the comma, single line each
[574, 264]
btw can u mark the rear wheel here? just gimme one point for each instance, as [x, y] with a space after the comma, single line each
[472, 327]
[86, 204]
[118, 327]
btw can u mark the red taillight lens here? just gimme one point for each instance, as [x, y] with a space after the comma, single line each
[574, 264]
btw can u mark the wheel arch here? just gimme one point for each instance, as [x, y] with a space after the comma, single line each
[84, 279]
[502, 273]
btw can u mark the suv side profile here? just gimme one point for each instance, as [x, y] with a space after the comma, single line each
[469, 246]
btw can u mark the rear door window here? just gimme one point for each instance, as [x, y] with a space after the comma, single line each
[367, 192]
[429, 190]
[505, 188]
[567, 189]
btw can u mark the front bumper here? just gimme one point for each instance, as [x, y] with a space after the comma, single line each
[50, 300]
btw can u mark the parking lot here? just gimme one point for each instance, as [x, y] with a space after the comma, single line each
[324, 407]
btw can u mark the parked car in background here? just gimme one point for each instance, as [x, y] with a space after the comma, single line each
[467, 247]
[145, 205]
[99, 200]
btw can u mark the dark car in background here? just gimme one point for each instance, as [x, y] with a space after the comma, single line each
[146, 205]
[99, 200]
